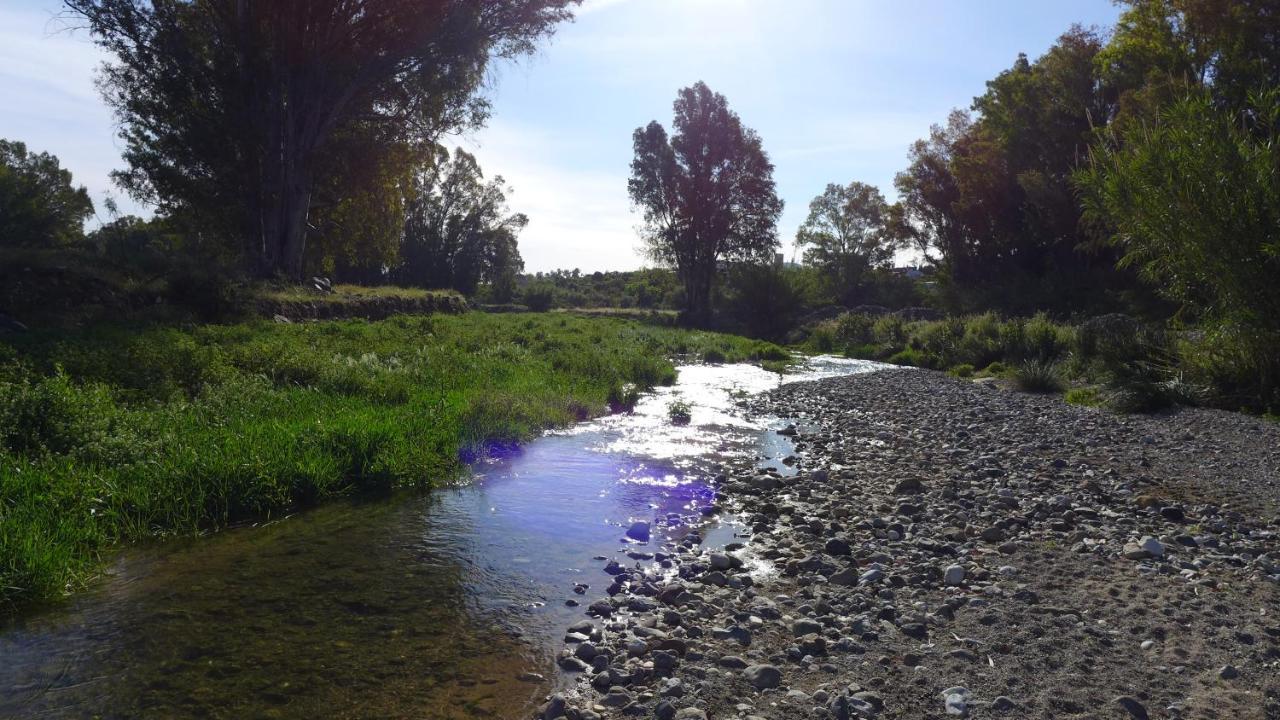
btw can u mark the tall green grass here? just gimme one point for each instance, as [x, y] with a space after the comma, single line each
[120, 433]
[1134, 366]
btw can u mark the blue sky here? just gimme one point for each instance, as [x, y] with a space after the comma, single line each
[838, 89]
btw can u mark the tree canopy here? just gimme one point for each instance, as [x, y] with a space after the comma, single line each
[846, 235]
[459, 231]
[239, 112]
[706, 193]
[992, 193]
[39, 205]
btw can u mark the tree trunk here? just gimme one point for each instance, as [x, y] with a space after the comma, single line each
[697, 296]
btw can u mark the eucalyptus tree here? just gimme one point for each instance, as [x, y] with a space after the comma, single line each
[846, 235]
[459, 231]
[706, 193]
[232, 110]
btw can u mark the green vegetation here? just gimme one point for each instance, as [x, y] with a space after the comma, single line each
[1084, 396]
[119, 433]
[1038, 376]
[1136, 367]
[679, 412]
[706, 193]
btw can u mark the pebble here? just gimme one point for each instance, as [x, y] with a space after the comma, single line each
[858, 553]
[956, 700]
[1132, 706]
[763, 677]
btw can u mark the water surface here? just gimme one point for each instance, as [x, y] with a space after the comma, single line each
[435, 605]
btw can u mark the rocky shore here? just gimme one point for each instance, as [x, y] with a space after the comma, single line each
[951, 549]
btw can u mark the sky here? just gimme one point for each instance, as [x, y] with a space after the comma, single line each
[837, 89]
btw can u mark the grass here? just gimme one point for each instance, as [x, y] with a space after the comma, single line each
[344, 293]
[1037, 376]
[1136, 366]
[1084, 396]
[120, 433]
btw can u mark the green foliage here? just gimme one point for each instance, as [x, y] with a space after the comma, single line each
[707, 193]
[1194, 201]
[539, 297]
[116, 433]
[459, 232]
[963, 370]
[212, 295]
[760, 300]
[679, 412]
[991, 193]
[222, 115]
[1038, 376]
[910, 356]
[768, 352]
[50, 415]
[996, 369]
[148, 246]
[39, 207]
[847, 235]
[1084, 396]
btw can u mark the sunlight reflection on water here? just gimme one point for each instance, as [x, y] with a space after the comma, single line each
[419, 604]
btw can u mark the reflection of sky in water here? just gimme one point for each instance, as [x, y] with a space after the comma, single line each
[717, 426]
[315, 596]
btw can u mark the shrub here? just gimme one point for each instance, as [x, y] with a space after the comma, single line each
[938, 341]
[776, 366]
[713, 356]
[539, 297]
[1147, 386]
[854, 329]
[995, 369]
[1085, 396]
[1038, 377]
[962, 370]
[1109, 338]
[52, 415]
[1045, 341]
[890, 330]
[679, 412]
[864, 352]
[214, 296]
[822, 339]
[981, 341]
[910, 356]
[768, 352]
[1214, 251]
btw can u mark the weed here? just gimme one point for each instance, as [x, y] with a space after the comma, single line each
[1038, 377]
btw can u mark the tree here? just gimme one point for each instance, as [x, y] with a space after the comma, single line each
[233, 108]
[707, 194]
[993, 195]
[1193, 201]
[847, 235]
[458, 231]
[1161, 47]
[39, 207]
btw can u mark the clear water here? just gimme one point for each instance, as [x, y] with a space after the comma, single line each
[432, 605]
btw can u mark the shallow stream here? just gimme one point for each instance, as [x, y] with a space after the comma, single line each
[446, 604]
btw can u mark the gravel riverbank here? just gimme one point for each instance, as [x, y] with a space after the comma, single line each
[952, 549]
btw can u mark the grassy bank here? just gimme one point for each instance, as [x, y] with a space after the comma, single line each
[1111, 360]
[120, 433]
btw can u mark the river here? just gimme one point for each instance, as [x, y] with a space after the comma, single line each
[447, 604]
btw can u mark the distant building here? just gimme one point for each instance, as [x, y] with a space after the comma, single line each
[910, 272]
